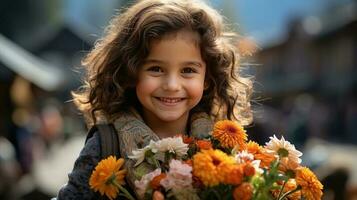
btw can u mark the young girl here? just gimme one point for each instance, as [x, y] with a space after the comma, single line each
[164, 67]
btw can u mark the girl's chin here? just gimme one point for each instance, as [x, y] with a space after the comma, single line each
[170, 117]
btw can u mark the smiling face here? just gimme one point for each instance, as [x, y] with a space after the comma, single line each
[171, 80]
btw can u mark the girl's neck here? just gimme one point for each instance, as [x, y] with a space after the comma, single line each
[165, 129]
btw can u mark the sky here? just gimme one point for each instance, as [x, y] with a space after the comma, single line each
[264, 20]
[267, 20]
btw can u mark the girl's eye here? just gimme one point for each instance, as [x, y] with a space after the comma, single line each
[189, 70]
[155, 69]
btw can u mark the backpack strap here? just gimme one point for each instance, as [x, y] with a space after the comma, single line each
[108, 139]
[109, 144]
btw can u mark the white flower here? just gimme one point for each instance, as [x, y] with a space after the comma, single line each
[243, 157]
[173, 145]
[142, 185]
[256, 165]
[284, 149]
[139, 155]
[178, 177]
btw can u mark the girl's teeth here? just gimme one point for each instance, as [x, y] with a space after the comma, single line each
[170, 100]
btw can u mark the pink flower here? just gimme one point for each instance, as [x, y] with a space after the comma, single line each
[142, 185]
[178, 177]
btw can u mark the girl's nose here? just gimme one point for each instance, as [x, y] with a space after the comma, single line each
[172, 83]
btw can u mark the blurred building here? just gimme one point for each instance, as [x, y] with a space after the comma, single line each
[310, 76]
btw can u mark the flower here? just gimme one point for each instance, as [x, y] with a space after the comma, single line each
[249, 169]
[188, 162]
[243, 192]
[209, 166]
[243, 157]
[235, 176]
[178, 177]
[204, 144]
[155, 182]
[142, 185]
[174, 145]
[107, 175]
[187, 139]
[253, 147]
[311, 188]
[286, 164]
[265, 158]
[289, 186]
[224, 165]
[261, 157]
[139, 155]
[229, 134]
[283, 149]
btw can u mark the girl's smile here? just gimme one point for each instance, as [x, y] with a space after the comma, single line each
[170, 101]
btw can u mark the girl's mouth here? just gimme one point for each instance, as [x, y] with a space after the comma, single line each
[167, 100]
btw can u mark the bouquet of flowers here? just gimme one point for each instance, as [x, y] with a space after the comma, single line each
[225, 165]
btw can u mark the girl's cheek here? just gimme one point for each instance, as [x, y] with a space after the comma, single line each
[148, 83]
[196, 87]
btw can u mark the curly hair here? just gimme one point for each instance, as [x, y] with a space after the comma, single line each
[112, 65]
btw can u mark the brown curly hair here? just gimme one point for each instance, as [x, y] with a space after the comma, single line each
[113, 63]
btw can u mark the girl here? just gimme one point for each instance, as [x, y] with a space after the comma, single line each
[164, 67]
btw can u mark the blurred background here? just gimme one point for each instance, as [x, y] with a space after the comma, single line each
[304, 70]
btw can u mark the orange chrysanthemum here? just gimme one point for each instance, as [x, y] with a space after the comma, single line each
[311, 187]
[188, 162]
[210, 166]
[235, 174]
[252, 147]
[204, 144]
[229, 134]
[248, 169]
[265, 158]
[155, 182]
[107, 175]
[243, 192]
[187, 139]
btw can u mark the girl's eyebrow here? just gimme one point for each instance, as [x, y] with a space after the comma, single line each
[197, 63]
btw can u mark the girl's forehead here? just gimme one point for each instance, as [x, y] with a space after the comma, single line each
[189, 36]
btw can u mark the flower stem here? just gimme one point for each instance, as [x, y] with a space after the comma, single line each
[281, 190]
[290, 192]
[126, 193]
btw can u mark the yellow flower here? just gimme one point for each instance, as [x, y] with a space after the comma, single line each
[253, 147]
[107, 176]
[229, 134]
[311, 188]
[211, 166]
